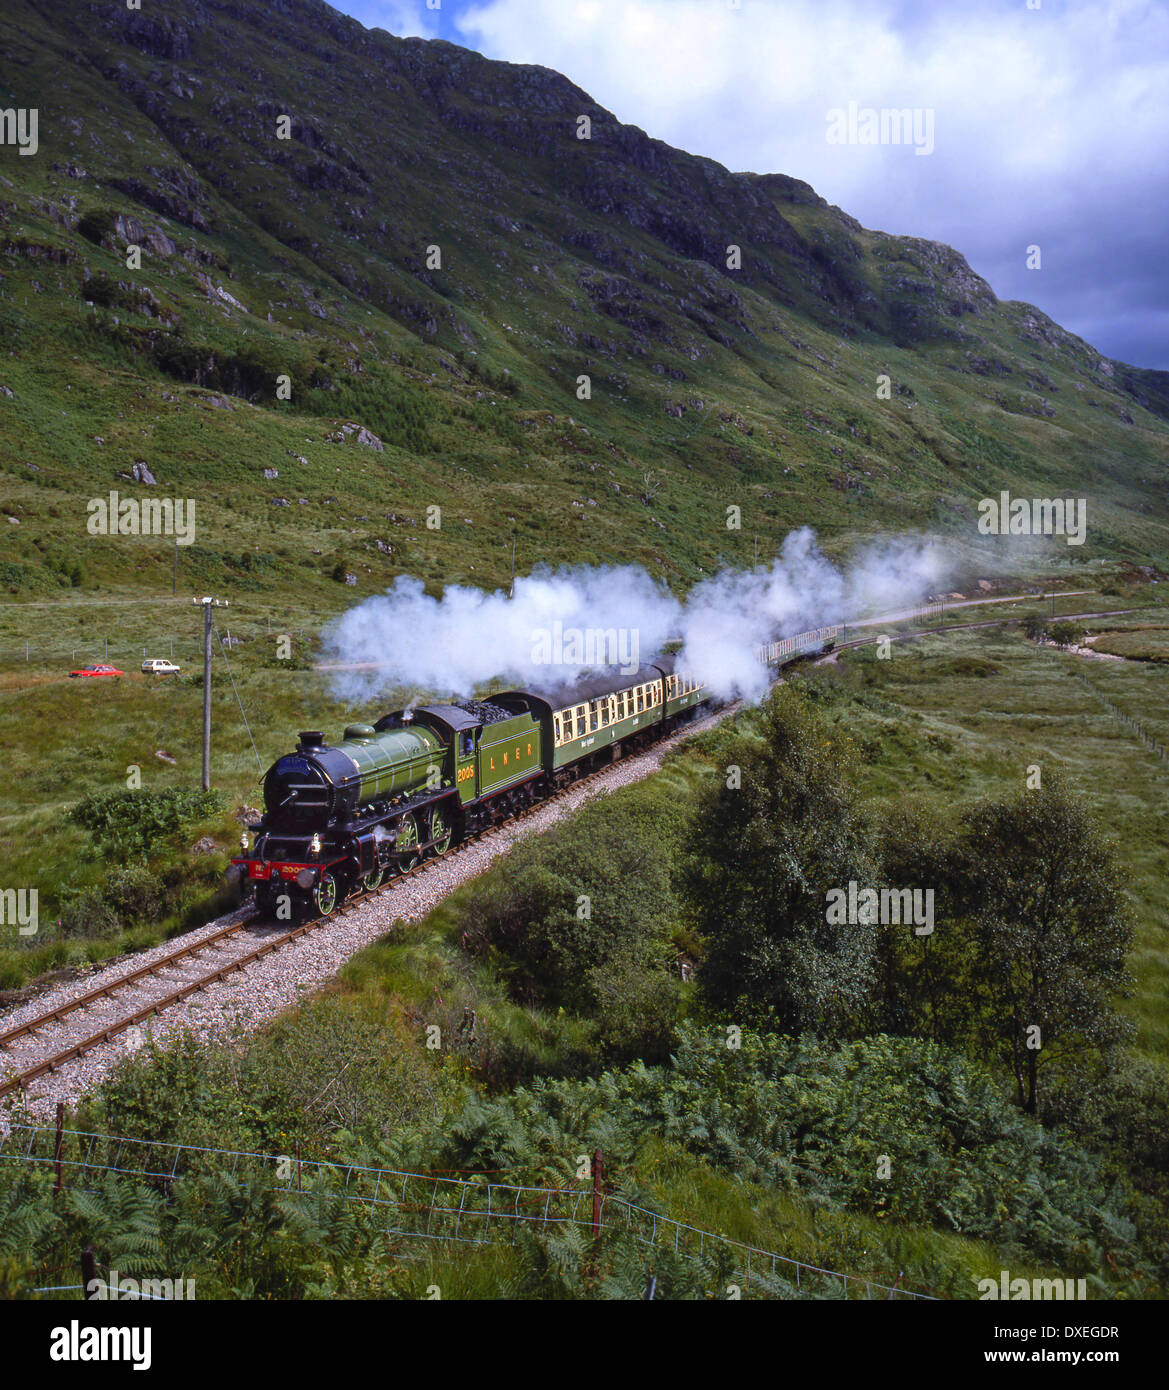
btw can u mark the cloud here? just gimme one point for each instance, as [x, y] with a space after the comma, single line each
[406, 19]
[1050, 123]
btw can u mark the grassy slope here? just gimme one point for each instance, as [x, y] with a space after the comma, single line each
[966, 715]
[789, 429]
[554, 265]
[946, 719]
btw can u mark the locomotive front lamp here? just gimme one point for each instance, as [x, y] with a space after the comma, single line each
[243, 842]
[315, 844]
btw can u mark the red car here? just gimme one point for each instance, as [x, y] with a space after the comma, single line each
[98, 671]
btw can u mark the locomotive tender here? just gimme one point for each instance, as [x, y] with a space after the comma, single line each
[341, 818]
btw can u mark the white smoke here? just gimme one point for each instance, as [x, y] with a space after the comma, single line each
[727, 618]
[456, 644]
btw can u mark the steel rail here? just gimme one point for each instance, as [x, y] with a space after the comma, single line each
[21, 1079]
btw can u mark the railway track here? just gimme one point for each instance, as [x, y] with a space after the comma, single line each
[142, 1010]
[130, 1018]
[966, 627]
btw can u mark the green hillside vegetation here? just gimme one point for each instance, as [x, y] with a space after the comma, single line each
[583, 1034]
[307, 258]
[331, 335]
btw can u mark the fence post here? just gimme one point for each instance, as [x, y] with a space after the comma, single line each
[88, 1269]
[598, 1164]
[59, 1147]
[298, 1167]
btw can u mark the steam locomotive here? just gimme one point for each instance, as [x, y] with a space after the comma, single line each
[341, 818]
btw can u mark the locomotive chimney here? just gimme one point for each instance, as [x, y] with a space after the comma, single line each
[312, 739]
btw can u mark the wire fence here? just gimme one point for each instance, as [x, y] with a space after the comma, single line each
[1134, 726]
[475, 1210]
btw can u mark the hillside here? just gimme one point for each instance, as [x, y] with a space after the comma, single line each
[307, 258]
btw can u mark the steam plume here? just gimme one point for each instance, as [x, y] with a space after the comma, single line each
[460, 642]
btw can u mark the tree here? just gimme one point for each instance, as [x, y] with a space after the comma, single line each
[1035, 626]
[922, 992]
[767, 848]
[1050, 930]
[1065, 634]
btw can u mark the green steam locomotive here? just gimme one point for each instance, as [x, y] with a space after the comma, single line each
[341, 818]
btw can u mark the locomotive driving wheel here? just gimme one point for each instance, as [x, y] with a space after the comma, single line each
[325, 895]
[373, 880]
[440, 831]
[407, 841]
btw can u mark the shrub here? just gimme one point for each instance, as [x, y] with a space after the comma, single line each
[132, 821]
[129, 895]
[583, 918]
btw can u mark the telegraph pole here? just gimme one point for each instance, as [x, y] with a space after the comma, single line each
[208, 605]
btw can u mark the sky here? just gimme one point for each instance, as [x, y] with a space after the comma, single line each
[1046, 121]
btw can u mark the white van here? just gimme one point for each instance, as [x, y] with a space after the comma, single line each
[157, 667]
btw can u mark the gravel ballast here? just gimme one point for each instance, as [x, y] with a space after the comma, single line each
[259, 992]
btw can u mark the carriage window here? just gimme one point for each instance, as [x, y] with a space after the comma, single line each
[556, 728]
[640, 698]
[581, 721]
